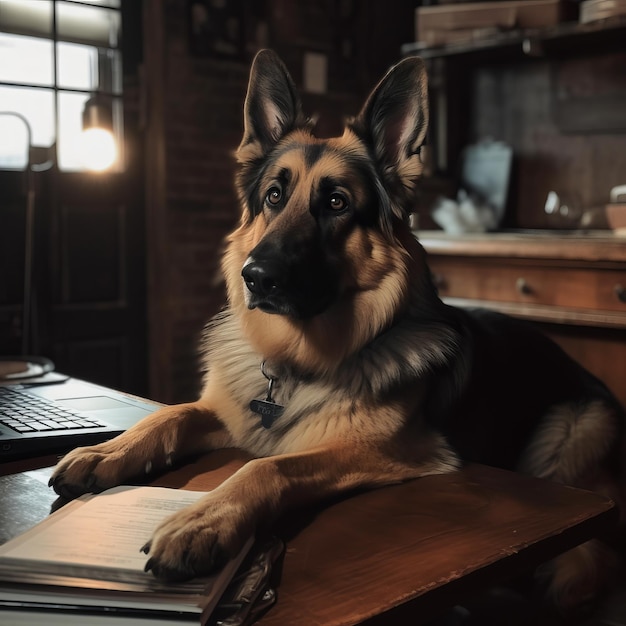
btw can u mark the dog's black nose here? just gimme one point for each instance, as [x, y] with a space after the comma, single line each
[262, 278]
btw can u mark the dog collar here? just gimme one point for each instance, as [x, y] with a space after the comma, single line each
[267, 409]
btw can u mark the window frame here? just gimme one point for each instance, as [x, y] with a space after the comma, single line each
[109, 84]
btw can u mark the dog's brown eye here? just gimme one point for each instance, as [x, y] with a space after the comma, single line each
[274, 196]
[337, 202]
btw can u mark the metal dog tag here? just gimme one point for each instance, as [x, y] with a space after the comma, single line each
[268, 410]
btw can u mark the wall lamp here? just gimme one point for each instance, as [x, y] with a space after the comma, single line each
[99, 149]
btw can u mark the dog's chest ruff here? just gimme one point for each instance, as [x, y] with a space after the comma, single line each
[267, 409]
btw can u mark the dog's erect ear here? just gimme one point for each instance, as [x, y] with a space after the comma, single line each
[394, 118]
[272, 105]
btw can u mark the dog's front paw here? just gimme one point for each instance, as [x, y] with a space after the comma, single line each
[95, 468]
[197, 540]
[89, 469]
[148, 446]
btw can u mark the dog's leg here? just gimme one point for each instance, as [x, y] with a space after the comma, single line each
[150, 445]
[190, 542]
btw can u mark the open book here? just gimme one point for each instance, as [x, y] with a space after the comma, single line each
[86, 558]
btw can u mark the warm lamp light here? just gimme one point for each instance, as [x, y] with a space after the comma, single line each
[98, 146]
[98, 149]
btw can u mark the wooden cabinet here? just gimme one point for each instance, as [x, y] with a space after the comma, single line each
[573, 286]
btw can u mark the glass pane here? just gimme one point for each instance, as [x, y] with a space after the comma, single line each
[26, 17]
[88, 25]
[89, 68]
[26, 60]
[37, 106]
[77, 66]
[70, 129]
[110, 71]
[70, 150]
[14, 145]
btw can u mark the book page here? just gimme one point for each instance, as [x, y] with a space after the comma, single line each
[102, 531]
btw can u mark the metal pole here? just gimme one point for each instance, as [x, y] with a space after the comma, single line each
[29, 236]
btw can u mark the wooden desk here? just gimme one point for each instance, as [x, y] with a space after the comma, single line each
[396, 555]
[409, 551]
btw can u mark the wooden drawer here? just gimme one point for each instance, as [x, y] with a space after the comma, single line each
[528, 282]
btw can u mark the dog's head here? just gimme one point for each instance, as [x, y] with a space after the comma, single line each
[323, 245]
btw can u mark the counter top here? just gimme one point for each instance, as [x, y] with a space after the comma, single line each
[539, 244]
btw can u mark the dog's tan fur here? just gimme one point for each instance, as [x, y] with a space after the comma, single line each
[357, 377]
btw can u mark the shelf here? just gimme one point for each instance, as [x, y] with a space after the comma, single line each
[558, 245]
[568, 38]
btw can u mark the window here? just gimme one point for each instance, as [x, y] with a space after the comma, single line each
[54, 56]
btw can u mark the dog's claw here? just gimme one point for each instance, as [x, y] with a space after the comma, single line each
[52, 481]
[146, 547]
[149, 565]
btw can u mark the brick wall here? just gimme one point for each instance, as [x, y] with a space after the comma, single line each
[203, 99]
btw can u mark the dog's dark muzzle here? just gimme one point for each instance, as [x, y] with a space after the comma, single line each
[283, 289]
[265, 282]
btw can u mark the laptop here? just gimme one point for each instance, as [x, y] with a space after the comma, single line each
[59, 413]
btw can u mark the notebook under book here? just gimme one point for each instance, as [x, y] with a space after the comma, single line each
[54, 418]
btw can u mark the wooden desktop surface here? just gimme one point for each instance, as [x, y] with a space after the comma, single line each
[395, 555]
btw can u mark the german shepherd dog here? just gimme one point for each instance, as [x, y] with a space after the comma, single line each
[336, 365]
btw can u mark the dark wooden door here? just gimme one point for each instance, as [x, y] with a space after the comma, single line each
[88, 309]
[95, 298]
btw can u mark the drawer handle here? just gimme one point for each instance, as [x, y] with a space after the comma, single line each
[620, 292]
[523, 287]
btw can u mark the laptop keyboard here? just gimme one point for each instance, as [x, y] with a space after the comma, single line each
[25, 413]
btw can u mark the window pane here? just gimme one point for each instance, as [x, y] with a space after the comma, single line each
[26, 17]
[70, 128]
[88, 25]
[110, 70]
[70, 144]
[36, 105]
[14, 144]
[77, 66]
[89, 68]
[25, 60]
